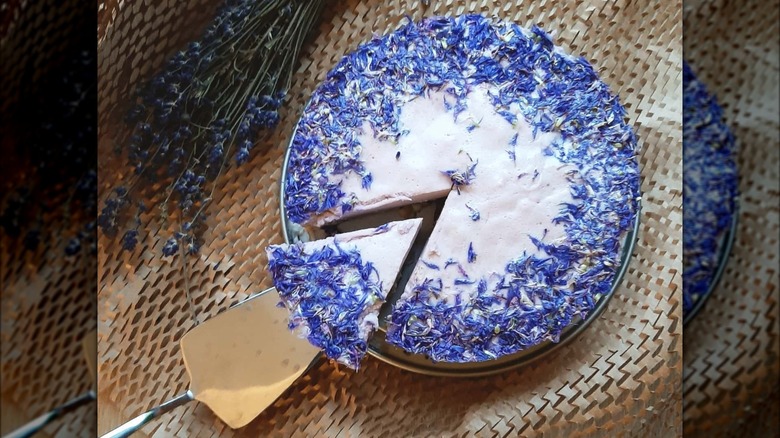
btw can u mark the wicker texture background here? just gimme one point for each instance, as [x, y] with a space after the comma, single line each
[48, 302]
[622, 377]
[732, 347]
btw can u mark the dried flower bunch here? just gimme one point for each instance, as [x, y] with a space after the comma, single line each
[205, 109]
[709, 187]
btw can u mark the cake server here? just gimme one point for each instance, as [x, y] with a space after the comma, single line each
[89, 347]
[239, 362]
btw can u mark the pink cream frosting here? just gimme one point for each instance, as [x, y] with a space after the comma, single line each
[515, 199]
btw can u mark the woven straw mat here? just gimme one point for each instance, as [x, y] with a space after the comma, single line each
[621, 378]
[732, 347]
[47, 299]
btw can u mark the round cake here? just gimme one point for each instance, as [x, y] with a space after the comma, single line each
[709, 188]
[531, 151]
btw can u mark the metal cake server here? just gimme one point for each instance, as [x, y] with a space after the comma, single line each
[239, 362]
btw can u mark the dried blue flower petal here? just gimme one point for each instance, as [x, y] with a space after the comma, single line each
[433, 266]
[461, 177]
[473, 213]
[366, 181]
[472, 256]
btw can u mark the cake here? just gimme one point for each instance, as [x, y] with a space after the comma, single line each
[334, 287]
[528, 146]
[709, 188]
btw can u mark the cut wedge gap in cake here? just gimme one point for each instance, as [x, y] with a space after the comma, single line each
[428, 211]
[335, 287]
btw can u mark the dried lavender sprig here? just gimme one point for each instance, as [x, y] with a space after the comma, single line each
[207, 106]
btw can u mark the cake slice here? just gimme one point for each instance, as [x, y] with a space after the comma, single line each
[334, 288]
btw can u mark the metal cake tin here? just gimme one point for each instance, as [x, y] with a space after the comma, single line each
[393, 355]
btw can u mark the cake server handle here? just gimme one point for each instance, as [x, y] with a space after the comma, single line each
[42, 421]
[140, 421]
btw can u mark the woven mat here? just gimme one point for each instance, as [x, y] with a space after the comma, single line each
[732, 347]
[622, 377]
[48, 303]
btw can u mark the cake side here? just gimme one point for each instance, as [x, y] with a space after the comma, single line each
[334, 288]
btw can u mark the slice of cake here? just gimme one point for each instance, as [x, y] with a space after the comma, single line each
[335, 287]
[531, 150]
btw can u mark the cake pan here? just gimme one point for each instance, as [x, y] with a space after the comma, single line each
[417, 363]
